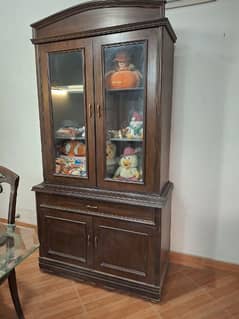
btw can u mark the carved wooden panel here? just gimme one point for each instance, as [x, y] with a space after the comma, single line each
[123, 249]
[67, 237]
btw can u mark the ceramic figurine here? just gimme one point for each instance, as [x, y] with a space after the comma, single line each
[111, 161]
[125, 75]
[81, 131]
[135, 128]
[128, 166]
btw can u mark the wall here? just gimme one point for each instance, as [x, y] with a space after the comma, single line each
[205, 131]
[19, 121]
[204, 150]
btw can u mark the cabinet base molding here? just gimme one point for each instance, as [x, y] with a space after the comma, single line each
[104, 280]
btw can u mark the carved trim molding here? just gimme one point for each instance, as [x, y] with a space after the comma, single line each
[140, 199]
[173, 4]
[116, 29]
[97, 4]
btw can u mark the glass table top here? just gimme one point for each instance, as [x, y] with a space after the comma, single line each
[16, 244]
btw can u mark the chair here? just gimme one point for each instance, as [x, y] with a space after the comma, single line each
[9, 177]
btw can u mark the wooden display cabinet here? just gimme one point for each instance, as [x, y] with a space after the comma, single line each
[105, 71]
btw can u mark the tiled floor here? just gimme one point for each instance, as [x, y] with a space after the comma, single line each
[189, 293]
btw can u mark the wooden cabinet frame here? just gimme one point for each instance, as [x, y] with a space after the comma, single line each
[46, 110]
[149, 37]
[85, 224]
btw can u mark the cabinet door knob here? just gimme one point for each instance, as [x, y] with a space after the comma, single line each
[91, 207]
[99, 110]
[88, 240]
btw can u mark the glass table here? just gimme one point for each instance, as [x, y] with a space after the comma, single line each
[16, 244]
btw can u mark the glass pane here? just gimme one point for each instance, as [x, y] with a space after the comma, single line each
[17, 243]
[124, 67]
[68, 104]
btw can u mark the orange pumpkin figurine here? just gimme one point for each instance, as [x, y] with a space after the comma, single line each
[125, 75]
[74, 148]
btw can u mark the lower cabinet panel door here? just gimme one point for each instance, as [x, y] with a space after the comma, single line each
[67, 237]
[123, 249]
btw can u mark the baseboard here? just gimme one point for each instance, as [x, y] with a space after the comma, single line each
[19, 223]
[202, 262]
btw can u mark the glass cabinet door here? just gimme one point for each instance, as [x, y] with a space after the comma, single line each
[124, 107]
[68, 105]
[71, 113]
[124, 76]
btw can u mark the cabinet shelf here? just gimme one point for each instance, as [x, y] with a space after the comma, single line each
[71, 138]
[127, 140]
[138, 89]
[64, 89]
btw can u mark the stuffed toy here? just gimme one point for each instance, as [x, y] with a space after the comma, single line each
[135, 128]
[71, 165]
[111, 161]
[60, 164]
[128, 166]
[125, 75]
[70, 129]
[74, 148]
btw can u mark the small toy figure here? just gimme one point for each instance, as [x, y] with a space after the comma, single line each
[60, 163]
[69, 165]
[128, 166]
[74, 148]
[111, 161]
[70, 129]
[125, 75]
[135, 128]
[82, 131]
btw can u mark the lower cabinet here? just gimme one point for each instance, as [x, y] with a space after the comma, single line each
[110, 245]
[116, 247]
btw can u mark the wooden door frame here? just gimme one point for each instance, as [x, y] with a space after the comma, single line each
[45, 108]
[150, 36]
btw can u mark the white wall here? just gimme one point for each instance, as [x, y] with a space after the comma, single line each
[205, 131]
[204, 149]
[19, 121]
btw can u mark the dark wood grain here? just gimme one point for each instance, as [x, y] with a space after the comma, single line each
[129, 198]
[123, 249]
[103, 5]
[68, 236]
[164, 111]
[164, 22]
[12, 282]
